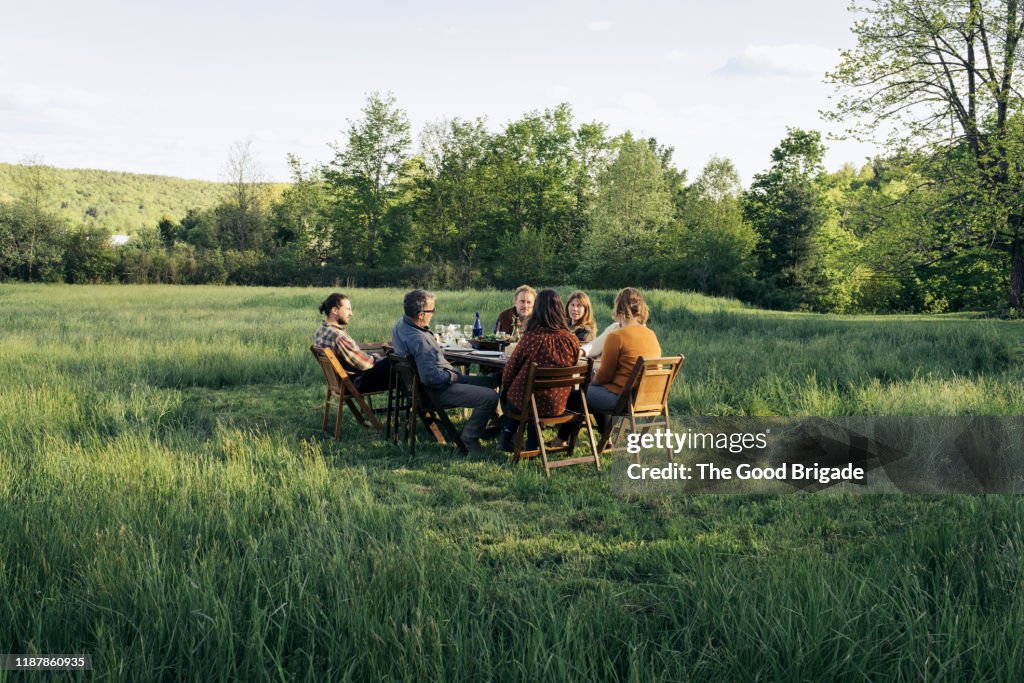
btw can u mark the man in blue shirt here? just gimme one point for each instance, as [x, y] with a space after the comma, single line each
[412, 337]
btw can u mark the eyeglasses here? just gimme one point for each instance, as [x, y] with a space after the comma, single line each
[429, 311]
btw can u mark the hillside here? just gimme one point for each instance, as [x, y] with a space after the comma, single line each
[119, 202]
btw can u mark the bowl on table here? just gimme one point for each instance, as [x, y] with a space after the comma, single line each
[487, 344]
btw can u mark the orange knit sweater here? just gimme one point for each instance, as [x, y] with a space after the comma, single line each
[621, 350]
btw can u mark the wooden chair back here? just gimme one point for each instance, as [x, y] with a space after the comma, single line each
[555, 378]
[654, 381]
[540, 378]
[644, 396]
[334, 372]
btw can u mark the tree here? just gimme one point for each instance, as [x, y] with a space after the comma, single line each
[366, 174]
[632, 211]
[454, 201]
[806, 257]
[942, 76]
[715, 242]
[544, 179]
[88, 257]
[302, 215]
[31, 236]
[240, 219]
[168, 229]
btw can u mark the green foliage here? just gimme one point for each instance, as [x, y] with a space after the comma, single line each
[127, 203]
[546, 199]
[632, 212]
[454, 202]
[301, 218]
[944, 78]
[714, 242]
[31, 236]
[802, 247]
[88, 256]
[366, 176]
[529, 256]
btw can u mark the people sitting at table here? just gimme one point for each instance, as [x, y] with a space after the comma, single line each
[621, 350]
[511, 320]
[580, 316]
[547, 342]
[368, 372]
[411, 336]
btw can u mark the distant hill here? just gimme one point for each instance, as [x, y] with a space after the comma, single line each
[120, 202]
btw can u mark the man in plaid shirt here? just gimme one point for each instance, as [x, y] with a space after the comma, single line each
[368, 372]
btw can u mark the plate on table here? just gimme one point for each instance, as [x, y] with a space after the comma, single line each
[491, 354]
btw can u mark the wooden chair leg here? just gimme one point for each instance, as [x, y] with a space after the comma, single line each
[337, 422]
[388, 415]
[668, 447]
[327, 409]
[520, 435]
[540, 440]
[593, 447]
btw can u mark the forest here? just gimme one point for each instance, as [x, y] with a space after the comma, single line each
[933, 224]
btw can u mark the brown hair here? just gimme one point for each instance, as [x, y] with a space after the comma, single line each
[332, 301]
[629, 304]
[587, 319]
[548, 312]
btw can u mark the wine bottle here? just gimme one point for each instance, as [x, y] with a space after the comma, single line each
[478, 329]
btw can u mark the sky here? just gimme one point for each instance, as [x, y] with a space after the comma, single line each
[168, 88]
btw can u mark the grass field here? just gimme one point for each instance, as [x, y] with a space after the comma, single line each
[169, 506]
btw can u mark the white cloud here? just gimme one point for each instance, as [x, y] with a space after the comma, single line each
[780, 61]
[602, 25]
[676, 56]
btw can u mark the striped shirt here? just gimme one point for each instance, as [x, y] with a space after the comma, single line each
[334, 337]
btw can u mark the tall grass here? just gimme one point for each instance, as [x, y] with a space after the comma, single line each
[169, 506]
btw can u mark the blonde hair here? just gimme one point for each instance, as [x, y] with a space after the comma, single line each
[524, 288]
[587, 319]
[629, 304]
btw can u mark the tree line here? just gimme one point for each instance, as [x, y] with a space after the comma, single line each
[932, 225]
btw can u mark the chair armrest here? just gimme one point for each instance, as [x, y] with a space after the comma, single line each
[376, 346]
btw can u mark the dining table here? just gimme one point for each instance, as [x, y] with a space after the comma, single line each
[457, 355]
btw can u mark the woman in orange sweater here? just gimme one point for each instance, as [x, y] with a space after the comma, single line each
[621, 350]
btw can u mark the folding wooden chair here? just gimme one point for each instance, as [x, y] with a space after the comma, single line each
[575, 376]
[643, 404]
[408, 399]
[340, 385]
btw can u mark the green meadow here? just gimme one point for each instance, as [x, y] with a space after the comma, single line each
[169, 505]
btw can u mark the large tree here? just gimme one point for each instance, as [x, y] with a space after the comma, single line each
[942, 76]
[367, 173]
[629, 217]
[715, 242]
[454, 198]
[786, 206]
